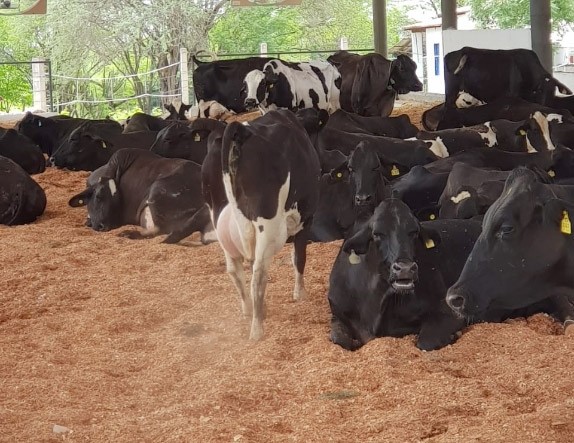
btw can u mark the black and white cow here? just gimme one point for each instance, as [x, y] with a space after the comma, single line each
[22, 200]
[282, 84]
[525, 253]
[370, 83]
[23, 151]
[390, 278]
[261, 183]
[478, 76]
[137, 187]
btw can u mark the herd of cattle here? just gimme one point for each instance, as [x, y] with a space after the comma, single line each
[468, 220]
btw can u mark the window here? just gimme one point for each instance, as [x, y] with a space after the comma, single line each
[436, 59]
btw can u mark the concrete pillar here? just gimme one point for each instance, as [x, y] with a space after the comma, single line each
[380, 26]
[39, 84]
[263, 49]
[184, 75]
[448, 12]
[540, 16]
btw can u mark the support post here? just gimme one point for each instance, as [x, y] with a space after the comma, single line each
[448, 12]
[39, 84]
[184, 75]
[540, 29]
[263, 49]
[380, 26]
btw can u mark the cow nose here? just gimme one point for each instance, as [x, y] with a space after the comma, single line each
[455, 301]
[404, 269]
[250, 103]
[363, 199]
[50, 161]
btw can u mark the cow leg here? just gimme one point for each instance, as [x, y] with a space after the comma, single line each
[342, 335]
[237, 274]
[197, 222]
[299, 257]
[563, 311]
[258, 286]
[439, 330]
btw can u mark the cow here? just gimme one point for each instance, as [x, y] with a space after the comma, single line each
[370, 83]
[505, 108]
[87, 150]
[391, 276]
[22, 151]
[559, 102]
[293, 86]
[22, 200]
[185, 141]
[397, 127]
[141, 121]
[222, 80]
[210, 109]
[50, 132]
[261, 183]
[138, 187]
[485, 75]
[524, 253]
[177, 111]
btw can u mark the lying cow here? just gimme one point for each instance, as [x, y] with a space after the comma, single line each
[370, 83]
[137, 187]
[22, 200]
[282, 84]
[261, 183]
[487, 75]
[390, 278]
[23, 151]
[524, 254]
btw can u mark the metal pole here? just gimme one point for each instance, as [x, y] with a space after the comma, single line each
[184, 75]
[540, 29]
[50, 87]
[448, 11]
[380, 26]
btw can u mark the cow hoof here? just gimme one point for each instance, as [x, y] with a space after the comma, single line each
[300, 294]
[256, 332]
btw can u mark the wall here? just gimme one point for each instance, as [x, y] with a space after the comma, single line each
[435, 80]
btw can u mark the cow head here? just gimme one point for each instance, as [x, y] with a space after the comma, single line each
[83, 150]
[103, 200]
[403, 78]
[519, 258]
[367, 182]
[396, 234]
[536, 132]
[37, 129]
[177, 111]
[255, 87]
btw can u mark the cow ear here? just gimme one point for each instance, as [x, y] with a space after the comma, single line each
[430, 237]
[561, 87]
[359, 242]
[341, 172]
[323, 117]
[82, 198]
[560, 214]
[271, 78]
[523, 129]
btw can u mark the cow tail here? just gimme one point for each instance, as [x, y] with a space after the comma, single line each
[233, 138]
[196, 60]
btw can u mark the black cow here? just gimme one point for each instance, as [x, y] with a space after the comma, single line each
[222, 80]
[177, 111]
[397, 127]
[270, 172]
[524, 254]
[371, 82]
[566, 102]
[390, 278]
[23, 151]
[22, 200]
[141, 121]
[185, 141]
[487, 75]
[87, 150]
[137, 187]
[50, 133]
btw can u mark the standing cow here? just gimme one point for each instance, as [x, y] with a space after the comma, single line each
[261, 183]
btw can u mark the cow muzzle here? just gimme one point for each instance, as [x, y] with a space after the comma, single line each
[404, 274]
[363, 199]
[456, 301]
[250, 103]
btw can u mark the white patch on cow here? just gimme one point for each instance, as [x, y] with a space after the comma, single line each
[113, 187]
[209, 109]
[460, 197]
[411, 139]
[252, 81]
[489, 136]
[146, 220]
[438, 147]
[555, 118]
[209, 236]
[465, 100]
[542, 123]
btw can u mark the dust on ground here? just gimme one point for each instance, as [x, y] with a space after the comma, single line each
[120, 340]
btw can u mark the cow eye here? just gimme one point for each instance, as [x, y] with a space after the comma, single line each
[351, 170]
[378, 236]
[505, 231]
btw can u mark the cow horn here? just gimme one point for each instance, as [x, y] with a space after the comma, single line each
[461, 64]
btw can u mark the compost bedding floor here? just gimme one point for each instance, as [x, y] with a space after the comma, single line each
[115, 340]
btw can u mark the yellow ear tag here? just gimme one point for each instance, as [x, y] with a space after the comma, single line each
[354, 259]
[395, 171]
[81, 202]
[104, 144]
[432, 217]
[197, 137]
[429, 243]
[339, 174]
[565, 225]
[551, 173]
[522, 132]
